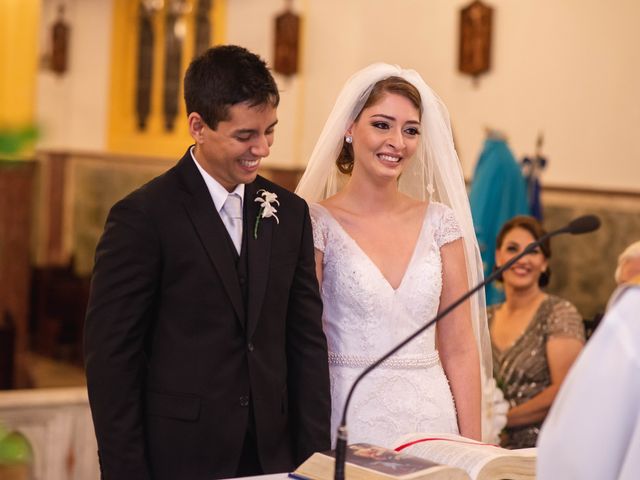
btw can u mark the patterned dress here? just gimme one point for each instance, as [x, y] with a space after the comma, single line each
[364, 317]
[522, 371]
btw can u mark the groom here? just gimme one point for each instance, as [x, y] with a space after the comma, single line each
[205, 355]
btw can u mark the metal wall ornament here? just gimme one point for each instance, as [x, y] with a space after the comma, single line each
[174, 15]
[475, 38]
[287, 42]
[175, 31]
[203, 27]
[144, 73]
[60, 32]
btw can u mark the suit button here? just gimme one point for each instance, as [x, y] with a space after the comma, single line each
[244, 401]
[250, 346]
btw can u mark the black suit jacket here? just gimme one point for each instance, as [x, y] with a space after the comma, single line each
[174, 356]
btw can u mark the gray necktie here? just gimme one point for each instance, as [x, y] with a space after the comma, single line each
[232, 219]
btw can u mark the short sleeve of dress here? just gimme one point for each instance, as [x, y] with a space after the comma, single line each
[448, 228]
[565, 321]
[319, 225]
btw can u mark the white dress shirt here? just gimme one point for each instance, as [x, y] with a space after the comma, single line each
[219, 195]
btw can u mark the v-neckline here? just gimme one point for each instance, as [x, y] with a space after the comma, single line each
[534, 320]
[368, 258]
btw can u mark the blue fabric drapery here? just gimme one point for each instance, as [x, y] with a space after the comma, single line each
[498, 193]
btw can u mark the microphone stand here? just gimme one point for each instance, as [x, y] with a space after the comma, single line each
[580, 225]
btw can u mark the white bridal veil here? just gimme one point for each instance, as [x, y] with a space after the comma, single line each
[434, 173]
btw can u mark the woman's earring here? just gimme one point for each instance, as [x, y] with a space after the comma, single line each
[348, 139]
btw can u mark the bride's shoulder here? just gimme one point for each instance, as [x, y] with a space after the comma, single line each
[441, 212]
[319, 210]
[440, 208]
[414, 205]
[331, 202]
[321, 225]
[324, 214]
[329, 207]
[445, 225]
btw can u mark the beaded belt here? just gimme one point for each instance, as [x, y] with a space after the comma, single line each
[361, 361]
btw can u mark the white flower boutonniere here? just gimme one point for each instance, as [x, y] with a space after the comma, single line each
[267, 201]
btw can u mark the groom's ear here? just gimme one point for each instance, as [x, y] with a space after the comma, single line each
[196, 127]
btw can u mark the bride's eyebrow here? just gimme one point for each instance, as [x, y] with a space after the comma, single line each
[393, 119]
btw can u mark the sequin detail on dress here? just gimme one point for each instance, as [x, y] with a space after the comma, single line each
[522, 370]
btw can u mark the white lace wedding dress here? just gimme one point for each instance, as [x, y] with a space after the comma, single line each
[364, 317]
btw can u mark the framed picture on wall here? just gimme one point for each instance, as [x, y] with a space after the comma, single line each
[475, 38]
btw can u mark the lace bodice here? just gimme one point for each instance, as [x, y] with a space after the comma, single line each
[353, 287]
[364, 317]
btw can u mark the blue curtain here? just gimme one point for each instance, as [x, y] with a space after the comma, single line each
[498, 193]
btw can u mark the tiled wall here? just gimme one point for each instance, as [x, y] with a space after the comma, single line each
[583, 266]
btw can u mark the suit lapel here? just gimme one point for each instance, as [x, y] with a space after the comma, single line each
[211, 230]
[259, 253]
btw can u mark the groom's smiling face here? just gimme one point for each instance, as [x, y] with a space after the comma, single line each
[232, 152]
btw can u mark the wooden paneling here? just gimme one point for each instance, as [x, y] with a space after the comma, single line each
[16, 182]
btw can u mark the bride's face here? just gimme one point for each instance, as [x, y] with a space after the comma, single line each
[385, 136]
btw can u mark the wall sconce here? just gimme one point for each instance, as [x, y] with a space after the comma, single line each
[60, 43]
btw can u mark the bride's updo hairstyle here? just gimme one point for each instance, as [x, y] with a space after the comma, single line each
[396, 85]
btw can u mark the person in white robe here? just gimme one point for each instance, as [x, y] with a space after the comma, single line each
[593, 429]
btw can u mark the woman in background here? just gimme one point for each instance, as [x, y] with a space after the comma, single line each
[535, 336]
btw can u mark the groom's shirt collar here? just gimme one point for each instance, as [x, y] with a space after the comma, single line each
[218, 193]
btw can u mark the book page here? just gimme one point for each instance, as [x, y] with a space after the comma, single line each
[385, 460]
[368, 462]
[455, 450]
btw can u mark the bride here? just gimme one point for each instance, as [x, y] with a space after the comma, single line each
[394, 245]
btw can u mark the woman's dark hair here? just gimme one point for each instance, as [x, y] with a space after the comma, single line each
[224, 76]
[531, 225]
[396, 85]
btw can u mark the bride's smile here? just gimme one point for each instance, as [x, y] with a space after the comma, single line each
[385, 135]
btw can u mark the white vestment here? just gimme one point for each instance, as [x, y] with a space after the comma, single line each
[593, 429]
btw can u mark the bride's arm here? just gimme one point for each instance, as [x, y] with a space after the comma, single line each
[456, 342]
[319, 257]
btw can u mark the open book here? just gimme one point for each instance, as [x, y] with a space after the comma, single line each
[425, 457]
[365, 461]
[480, 460]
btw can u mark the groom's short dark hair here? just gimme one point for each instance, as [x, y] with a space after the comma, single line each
[224, 76]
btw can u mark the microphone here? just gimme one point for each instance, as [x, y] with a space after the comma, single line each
[584, 224]
[578, 226]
